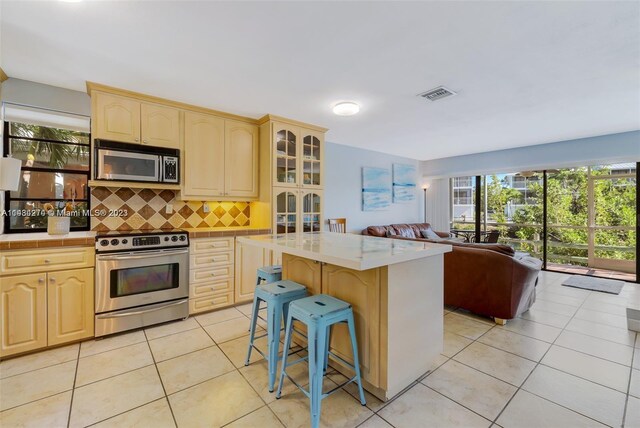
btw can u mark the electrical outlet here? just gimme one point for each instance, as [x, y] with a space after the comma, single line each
[169, 209]
[206, 207]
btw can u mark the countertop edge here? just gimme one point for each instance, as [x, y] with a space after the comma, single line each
[360, 265]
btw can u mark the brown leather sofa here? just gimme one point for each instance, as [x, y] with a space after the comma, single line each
[486, 279]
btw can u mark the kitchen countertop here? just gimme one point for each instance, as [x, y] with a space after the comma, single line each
[19, 241]
[357, 252]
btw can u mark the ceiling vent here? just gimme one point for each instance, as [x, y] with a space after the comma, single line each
[437, 93]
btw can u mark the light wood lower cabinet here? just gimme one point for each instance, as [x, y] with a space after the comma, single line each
[363, 290]
[248, 259]
[211, 274]
[24, 309]
[70, 305]
[47, 308]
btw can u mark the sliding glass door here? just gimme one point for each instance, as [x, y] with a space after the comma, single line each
[578, 220]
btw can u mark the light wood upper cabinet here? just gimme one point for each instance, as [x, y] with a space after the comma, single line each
[160, 125]
[203, 155]
[286, 142]
[130, 120]
[70, 305]
[23, 313]
[241, 159]
[220, 158]
[116, 118]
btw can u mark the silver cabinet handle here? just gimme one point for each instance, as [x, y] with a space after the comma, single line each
[40, 280]
[52, 279]
[144, 141]
[47, 261]
[135, 139]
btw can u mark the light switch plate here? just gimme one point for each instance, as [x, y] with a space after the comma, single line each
[205, 207]
[169, 209]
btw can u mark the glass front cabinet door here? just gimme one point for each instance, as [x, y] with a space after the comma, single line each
[311, 210]
[298, 157]
[285, 210]
[311, 159]
[287, 140]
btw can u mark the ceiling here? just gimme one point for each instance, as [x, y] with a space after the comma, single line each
[525, 72]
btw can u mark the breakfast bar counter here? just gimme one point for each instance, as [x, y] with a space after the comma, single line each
[395, 288]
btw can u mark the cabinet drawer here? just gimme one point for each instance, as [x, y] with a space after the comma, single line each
[25, 261]
[211, 245]
[211, 287]
[210, 274]
[211, 260]
[208, 303]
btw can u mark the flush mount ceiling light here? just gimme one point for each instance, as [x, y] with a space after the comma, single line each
[346, 108]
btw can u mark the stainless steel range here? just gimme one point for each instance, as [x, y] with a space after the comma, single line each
[142, 278]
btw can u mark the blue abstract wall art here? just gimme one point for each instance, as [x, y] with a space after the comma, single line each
[404, 183]
[376, 189]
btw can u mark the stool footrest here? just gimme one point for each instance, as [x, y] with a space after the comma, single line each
[342, 360]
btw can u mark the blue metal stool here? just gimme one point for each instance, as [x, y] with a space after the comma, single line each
[277, 295]
[269, 274]
[319, 313]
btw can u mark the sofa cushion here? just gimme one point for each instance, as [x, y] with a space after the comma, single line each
[430, 234]
[499, 248]
[391, 232]
[380, 231]
[406, 233]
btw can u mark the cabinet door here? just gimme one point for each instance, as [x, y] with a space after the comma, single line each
[203, 155]
[362, 290]
[311, 210]
[23, 313]
[116, 118]
[241, 159]
[248, 259]
[311, 159]
[286, 145]
[160, 126]
[285, 210]
[70, 305]
[303, 271]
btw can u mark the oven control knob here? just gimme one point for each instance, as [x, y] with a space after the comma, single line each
[124, 241]
[114, 242]
[104, 242]
[174, 238]
[166, 238]
[182, 237]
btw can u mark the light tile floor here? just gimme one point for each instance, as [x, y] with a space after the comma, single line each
[568, 362]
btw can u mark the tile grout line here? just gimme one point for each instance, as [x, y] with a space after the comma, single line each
[538, 365]
[73, 388]
[626, 402]
[155, 365]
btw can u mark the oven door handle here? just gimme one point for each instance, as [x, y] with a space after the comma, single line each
[142, 256]
[140, 312]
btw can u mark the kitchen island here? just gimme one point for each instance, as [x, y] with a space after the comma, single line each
[395, 288]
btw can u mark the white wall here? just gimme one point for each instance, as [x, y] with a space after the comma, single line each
[622, 147]
[34, 94]
[343, 188]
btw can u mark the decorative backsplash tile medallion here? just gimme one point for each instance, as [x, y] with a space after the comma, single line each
[128, 209]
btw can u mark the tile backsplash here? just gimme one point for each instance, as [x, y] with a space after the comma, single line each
[128, 209]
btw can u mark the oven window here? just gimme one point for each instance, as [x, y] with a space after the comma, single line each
[138, 280]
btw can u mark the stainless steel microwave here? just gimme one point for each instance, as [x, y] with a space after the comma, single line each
[133, 162]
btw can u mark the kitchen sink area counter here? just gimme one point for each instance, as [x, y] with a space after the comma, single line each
[21, 241]
[395, 288]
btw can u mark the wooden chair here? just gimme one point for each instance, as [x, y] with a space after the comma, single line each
[338, 225]
[491, 237]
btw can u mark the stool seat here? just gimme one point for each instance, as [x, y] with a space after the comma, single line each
[320, 305]
[270, 270]
[281, 287]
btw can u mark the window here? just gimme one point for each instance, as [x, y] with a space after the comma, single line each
[55, 174]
